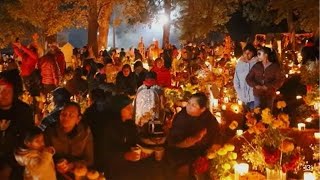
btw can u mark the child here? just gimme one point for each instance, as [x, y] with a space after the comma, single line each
[35, 157]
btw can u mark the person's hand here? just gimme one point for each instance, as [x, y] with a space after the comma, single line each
[17, 44]
[131, 156]
[264, 87]
[144, 155]
[258, 87]
[50, 150]
[200, 135]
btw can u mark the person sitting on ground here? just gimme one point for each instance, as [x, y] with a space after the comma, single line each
[35, 157]
[77, 85]
[194, 130]
[71, 138]
[163, 74]
[126, 81]
[140, 72]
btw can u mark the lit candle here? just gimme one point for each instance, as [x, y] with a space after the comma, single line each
[298, 97]
[309, 176]
[301, 126]
[223, 107]
[240, 102]
[240, 170]
[239, 132]
[278, 93]
[287, 75]
[309, 119]
[317, 135]
[226, 99]
[215, 103]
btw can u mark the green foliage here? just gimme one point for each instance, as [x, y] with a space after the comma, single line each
[10, 28]
[50, 17]
[199, 17]
[267, 12]
[258, 11]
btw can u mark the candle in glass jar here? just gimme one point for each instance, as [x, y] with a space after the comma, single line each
[309, 176]
[317, 135]
[301, 126]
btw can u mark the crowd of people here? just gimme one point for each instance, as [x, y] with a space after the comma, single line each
[102, 137]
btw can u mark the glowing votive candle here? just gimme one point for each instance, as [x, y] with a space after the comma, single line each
[317, 135]
[298, 97]
[240, 102]
[309, 176]
[223, 107]
[226, 99]
[239, 132]
[278, 93]
[287, 75]
[240, 170]
[309, 119]
[215, 103]
[301, 126]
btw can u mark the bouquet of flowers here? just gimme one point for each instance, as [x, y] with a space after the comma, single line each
[222, 161]
[270, 148]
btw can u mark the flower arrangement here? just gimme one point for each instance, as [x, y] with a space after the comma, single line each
[222, 160]
[270, 148]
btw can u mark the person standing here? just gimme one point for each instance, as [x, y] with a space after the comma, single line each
[265, 78]
[29, 58]
[50, 72]
[244, 65]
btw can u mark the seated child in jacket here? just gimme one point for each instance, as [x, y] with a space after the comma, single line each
[35, 157]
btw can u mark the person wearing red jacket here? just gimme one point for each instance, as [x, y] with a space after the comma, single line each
[29, 58]
[163, 74]
[50, 72]
[59, 58]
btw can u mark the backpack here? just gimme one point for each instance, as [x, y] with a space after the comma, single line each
[148, 110]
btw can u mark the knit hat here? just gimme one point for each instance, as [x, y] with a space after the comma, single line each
[120, 101]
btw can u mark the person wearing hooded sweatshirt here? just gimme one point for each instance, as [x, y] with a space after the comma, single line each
[35, 157]
[245, 63]
[60, 97]
[163, 74]
[120, 136]
[95, 117]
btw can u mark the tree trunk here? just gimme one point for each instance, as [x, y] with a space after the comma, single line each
[166, 26]
[114, 36]
[292, 29]
[93, 25]
[104, 25]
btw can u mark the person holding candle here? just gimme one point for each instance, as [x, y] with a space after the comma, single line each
[193, 131]
[244, 65]
[265, 78]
